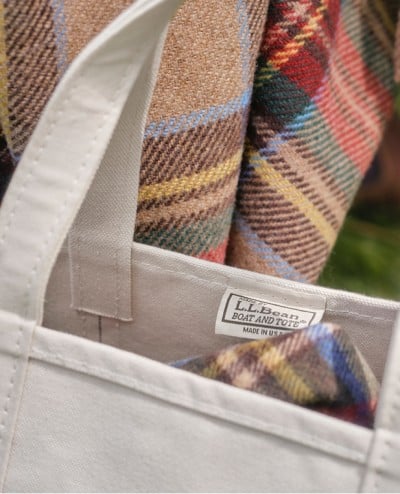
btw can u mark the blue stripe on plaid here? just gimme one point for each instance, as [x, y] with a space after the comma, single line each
[340, 165]
[262, 249]
[181, 363]
[60, 32]
[245, 40]
[332, 353]
[183, 123]
[338, 383]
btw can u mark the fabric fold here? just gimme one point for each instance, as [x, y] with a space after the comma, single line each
[318, 368]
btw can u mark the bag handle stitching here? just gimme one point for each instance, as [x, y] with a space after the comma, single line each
[11, 383]
[82, 166]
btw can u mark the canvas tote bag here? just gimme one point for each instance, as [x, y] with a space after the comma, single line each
[87, 402]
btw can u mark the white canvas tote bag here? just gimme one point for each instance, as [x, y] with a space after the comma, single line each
[87, 402]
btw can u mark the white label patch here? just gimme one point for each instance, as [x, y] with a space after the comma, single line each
[251, 317]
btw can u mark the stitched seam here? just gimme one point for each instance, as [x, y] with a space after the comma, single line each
[32, 164]
[51, 233]
[78, 269]
[11, 383]
[300, 287]
[116, 280]
[118, 328]
[388, 443]
[231, 287]
[362, 316]
[29, 177]
[83, 320]
[286, 433]
[15, 425]
[99, 329]
[6, 406]
[99, 287]
[80, 170]
[117, 275]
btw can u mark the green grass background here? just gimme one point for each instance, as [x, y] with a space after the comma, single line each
[366, 257]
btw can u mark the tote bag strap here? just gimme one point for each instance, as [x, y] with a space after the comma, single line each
[100, 240]
[58, 167]
[67, 148]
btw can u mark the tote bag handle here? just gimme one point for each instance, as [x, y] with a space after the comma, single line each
[67, 148]
[100, 240]
[58, 168]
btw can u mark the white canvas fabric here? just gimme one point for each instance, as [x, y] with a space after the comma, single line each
[86, 400]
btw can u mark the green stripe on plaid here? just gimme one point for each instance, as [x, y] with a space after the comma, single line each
[323, 92]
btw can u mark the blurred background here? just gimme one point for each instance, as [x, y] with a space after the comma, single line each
[366, 257]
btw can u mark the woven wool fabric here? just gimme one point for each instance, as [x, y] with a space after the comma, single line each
[322, 94]
[198, 116]
[196, 126]
[317, 368]
[38, 40]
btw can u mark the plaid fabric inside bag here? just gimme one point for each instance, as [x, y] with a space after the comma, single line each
[318, 368]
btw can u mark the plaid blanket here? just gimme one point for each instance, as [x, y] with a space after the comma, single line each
[313, 112]
[323, 92]
[318, 368]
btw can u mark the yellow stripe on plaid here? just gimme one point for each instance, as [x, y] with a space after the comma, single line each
[226, 360]
[192, 182]
[290, 382]
[292, 194]
[293, 46]
[273, 361]
[4, 116]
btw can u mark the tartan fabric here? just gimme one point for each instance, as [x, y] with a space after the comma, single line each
[198, 116]
[318, 368]
[38, 40]
[319, 98]
[323, 91]
[196, 127]
[30, 69]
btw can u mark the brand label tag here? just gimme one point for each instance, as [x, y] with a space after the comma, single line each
[252, 317]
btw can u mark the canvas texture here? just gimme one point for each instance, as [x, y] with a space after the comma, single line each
[264, 119]
[290, 96]
[318, 368]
